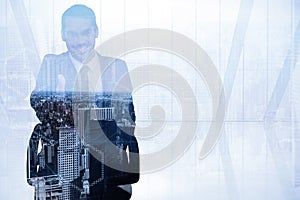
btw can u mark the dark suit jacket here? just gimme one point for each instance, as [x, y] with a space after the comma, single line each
[54, 68]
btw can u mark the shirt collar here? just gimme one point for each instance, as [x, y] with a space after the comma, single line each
[75, 62]
[91, 61]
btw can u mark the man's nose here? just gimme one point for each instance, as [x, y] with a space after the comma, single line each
[80, 39]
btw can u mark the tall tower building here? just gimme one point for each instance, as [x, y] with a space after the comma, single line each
[69, 161]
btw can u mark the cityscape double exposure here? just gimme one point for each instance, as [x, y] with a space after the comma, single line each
[71, 124]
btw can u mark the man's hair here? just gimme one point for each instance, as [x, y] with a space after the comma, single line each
[81, 11]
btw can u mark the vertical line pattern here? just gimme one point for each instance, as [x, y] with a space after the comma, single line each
[100, 22]
[53, 43]
[267, 81]
[220, 69]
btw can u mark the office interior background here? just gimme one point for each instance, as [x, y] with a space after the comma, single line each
[253, 45]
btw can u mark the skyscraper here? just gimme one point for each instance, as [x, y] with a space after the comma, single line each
[68, 161]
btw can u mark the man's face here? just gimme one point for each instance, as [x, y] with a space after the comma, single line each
[79, 35]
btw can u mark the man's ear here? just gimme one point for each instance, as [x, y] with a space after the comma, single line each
[96, 32]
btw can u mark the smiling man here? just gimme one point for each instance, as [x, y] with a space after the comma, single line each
[79, 31]
[84, 146]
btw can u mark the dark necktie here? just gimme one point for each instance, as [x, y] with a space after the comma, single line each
[84, 85]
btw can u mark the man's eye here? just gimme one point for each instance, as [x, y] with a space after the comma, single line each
[71, 34]
[86, 32]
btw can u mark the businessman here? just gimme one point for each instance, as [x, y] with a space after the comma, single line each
[79, 92]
